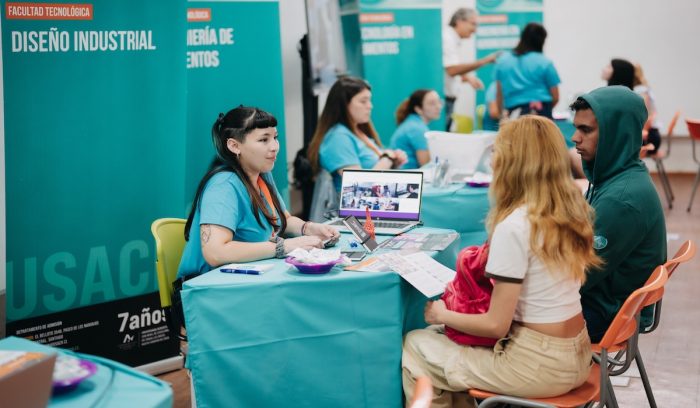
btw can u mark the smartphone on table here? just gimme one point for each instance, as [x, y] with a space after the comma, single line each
[354, 255]
[359, 232]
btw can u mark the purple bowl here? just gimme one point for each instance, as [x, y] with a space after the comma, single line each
[312, 269]
[70, 371]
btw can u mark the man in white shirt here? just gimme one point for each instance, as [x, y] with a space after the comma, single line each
[462, 25]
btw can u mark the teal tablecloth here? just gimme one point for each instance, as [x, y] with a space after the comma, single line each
[294, 340]
[113, 385]
[457, 207]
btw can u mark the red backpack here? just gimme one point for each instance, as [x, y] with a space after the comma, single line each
[469, 292]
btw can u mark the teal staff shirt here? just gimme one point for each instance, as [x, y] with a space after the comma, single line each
[225, 202]
[525, 78]
[410, 137]
[341, 148]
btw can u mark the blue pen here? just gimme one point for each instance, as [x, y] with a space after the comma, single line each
[241, 271]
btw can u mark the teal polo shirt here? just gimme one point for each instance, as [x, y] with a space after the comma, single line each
[341, 148]
[410, 137]
[225, 202]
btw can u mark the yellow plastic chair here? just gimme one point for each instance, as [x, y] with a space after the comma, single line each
[463, 123]
[480, 112]
[170, 241]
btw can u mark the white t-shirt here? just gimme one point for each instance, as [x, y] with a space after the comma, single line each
[546, 296]
[450, 57]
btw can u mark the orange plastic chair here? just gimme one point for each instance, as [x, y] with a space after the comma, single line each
[627, 345]
[422, 393]
[660, 155]
[684, 254]
[598, 386]
[584, 395]
[694, 131]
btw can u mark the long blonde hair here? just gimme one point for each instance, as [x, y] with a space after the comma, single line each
[531, 169]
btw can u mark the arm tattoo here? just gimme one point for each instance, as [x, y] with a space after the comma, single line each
[205, 233]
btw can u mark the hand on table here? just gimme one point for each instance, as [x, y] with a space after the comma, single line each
[398, 157]
[323, 231]
[306, 242]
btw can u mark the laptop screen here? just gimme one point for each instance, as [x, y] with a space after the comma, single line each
[389, 194]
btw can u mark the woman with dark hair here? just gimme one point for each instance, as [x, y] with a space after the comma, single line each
[237, 214]
[619, 72]
[413, 116]
[526, 80]
[345, 137]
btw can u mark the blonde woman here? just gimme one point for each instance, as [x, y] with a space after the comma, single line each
[541, 243]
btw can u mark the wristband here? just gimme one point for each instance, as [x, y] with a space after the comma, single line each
[386, 155]
[279, 248]
[303, 227]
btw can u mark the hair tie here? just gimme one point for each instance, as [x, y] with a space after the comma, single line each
[220, 119]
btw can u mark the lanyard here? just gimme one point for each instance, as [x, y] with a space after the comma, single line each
[268, 197]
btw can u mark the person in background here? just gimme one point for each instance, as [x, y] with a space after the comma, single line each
[413, 116]
[619, 72]
[492, 113]
[462, 25]
[345, 137]
[630, 229]
[541, 243]
[526, 80]
[237, 214]
[650, 134]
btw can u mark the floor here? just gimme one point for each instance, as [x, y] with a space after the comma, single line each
[671, 354]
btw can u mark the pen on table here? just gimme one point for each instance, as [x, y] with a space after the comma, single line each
[241, 271]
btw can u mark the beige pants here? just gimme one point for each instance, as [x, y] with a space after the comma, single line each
[524, 364]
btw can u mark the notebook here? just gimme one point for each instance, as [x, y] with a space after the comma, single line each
[464, 152]
[393, 197]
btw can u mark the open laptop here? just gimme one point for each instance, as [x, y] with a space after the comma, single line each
[465, 152]
[393, 197]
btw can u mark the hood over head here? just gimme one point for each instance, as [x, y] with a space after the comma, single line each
[620, 114]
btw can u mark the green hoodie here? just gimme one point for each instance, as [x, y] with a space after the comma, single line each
[630, 230]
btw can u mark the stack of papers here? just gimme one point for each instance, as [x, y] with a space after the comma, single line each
[424, 273]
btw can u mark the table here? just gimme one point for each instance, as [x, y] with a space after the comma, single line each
[457, 207]
[113, 385]
[294, 340]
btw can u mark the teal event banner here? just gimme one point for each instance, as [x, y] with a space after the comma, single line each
[94, 151]
[500, 23]
[352, 40]
[234, 57]
[401, 51]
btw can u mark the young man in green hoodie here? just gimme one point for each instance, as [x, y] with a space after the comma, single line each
[630, 229]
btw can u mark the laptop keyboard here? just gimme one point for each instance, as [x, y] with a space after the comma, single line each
[389, 224]
[378, 224]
